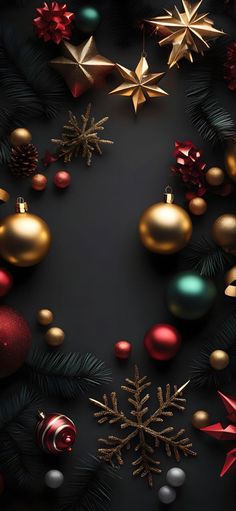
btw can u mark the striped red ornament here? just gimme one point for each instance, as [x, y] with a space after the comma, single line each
[55, 433]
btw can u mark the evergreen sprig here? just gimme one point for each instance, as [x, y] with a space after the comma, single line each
[206, 258]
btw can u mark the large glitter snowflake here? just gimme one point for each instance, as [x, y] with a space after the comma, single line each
[142, 428]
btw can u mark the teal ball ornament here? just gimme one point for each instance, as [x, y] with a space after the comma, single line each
[87, 19]
[190, 296]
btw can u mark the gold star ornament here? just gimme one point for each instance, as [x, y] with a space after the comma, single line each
[139, 84]
[81, 66]
[187, 31]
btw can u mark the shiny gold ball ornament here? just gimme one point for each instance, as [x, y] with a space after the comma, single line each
[200, 419]
[20, 136]
[215, 176]
[230, 160]
[165, 228]
[24, 238]
[219, 360]
[224, 232]
[54, 336]
[197, 206]
[44, 317]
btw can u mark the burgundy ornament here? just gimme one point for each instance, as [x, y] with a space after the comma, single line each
[55, 433]
[123, 349]
[62, 179]
[6, 282]
[230, 66]
[15, 340]
[162, 341]
[53, 22]
[190, 168]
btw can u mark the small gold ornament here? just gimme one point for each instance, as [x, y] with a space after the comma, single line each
[219, 360]
[54, 336]
[230, 280]
[20, 136]
[224, 232]
[215, 176]
[197, 206]
[230, 160]
[165, 228]
[4, 196]
[200, 419]
[44, 317]
[24, 238]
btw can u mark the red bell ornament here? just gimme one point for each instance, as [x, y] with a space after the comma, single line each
[55, 433]
[162, 341]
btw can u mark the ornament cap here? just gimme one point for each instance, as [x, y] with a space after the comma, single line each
[21, 205]
[168, 195]
[41, 415]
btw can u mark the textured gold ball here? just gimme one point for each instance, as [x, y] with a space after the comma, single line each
[54, 336]
[165, 228]
[200, 419]
[20, 136]
[197, 206]
[44, 317]
[215, 176]
[230, 160]
[224, 232]
[219, 360]
[24, 239]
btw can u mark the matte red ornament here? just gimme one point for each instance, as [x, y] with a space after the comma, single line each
[53, 22]
[123, 349]
[6, 282]
[55, 433]
[62, 179]
[162, 341]
[15, 340]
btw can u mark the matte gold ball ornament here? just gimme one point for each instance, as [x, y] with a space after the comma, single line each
[25, 238]
[197, 206]
[44, 317]
[55, 336]
[215, 176]
[165, 228]
[219, 360]
[200, 419]
[20, 136]
[230, 160]
[224, 232]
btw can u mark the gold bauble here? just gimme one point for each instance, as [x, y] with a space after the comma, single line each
[224, 232]
[24, 238]
[20, 136]
[54, 336]
[230, 160]
[44, 317]
[200, 419]
[165, 228]
[197, 206]
[215, 176]
[219, 360]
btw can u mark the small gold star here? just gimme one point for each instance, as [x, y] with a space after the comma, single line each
[187, 31]
[139, 84]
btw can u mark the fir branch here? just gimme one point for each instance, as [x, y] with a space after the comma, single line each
[66, 375]
[18, 404]
[207, 258]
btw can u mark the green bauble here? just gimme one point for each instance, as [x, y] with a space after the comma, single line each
[190, 296]
[87, 19]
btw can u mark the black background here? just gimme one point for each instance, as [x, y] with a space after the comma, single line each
[100, 282]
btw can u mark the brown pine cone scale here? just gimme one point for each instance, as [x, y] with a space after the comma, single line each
[23, 160]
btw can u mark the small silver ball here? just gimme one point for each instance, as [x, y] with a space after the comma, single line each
[175, 477]
[54, 479]
[166, 494]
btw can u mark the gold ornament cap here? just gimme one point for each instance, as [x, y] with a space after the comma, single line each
[21, 205]
[168, 195]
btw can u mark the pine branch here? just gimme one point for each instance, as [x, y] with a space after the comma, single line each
[207, 258]
[65, 375]
[18, 405]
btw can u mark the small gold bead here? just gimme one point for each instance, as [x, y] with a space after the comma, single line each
[44, 317]
[54, 336]
[219, 360]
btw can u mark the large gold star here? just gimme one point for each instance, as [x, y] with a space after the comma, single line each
[187, 31]
[139, 84]
[81, 66]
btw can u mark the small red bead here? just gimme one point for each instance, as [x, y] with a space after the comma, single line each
[6, 282]
[62, 179]
[162, 341]
[123, 349]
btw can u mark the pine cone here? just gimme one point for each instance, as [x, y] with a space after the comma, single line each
[23, 160]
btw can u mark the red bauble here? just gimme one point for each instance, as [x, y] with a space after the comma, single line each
[162, 341]
[39, 182]
[53, 22]
[55, 433]
[15, 340]
[62, 179]
[6, 282]
[123, 349]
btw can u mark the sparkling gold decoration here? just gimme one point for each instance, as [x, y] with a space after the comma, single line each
[81, 66]
[24, 238]
[54, 336]
[44, 317]
[224, 232]
[219, 360]
[230, 280]
[187, 31]
[215, 176]
[200, 419]
[20, 136]
[230, 160]
[165, 228]
[139, 84]
[197, 206]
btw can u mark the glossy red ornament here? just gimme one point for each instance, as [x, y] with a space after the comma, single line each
[6, 282]
[15, 340]
[55, 433]
[53, 22]
[123, 349]
[162, 341]
[62, 179]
